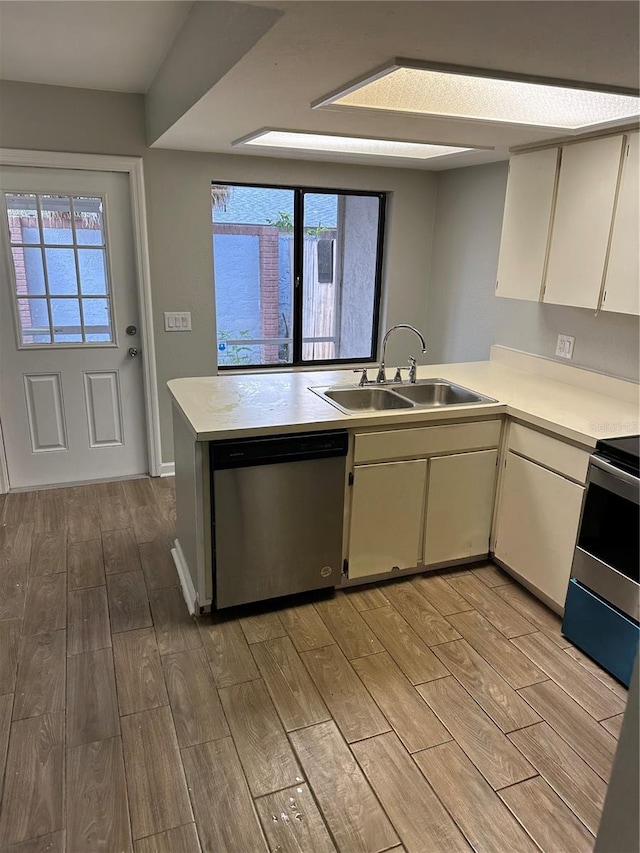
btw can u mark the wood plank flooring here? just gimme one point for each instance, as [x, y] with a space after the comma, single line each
[436, 713]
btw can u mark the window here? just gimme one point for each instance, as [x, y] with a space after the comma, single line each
[297, 274]
[61, 286]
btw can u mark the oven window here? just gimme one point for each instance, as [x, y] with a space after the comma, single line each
[609, 530]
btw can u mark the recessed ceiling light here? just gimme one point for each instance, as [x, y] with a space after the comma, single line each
[490, 96]
[330, 143]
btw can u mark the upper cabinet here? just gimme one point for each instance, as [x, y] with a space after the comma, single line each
[621, 287]
[527, 223]
[582, 222]
[570, 230]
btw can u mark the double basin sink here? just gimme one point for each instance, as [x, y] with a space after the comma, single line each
[423, 394]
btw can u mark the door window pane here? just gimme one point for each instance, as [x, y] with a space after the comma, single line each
[88, 221]
[61, 271]
[56, 220]
[67, 325]
[253, 261]
[93, 275]
[23, 214]
[51, 236]
[29, 272]
[96, 316]
[33, 317]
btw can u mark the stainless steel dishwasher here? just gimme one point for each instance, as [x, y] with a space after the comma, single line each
[277, 515]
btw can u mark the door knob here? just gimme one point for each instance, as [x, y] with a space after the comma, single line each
[133, 352]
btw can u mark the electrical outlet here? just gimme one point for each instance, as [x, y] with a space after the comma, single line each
[564, 347]
[177, 321]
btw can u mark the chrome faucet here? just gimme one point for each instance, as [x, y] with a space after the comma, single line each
[381, 377]
[412, 369]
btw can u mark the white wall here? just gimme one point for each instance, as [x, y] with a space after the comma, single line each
[58, 118]
[464, 315]
[178, 206]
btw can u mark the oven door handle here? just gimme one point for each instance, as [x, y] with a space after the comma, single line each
[612, 478]
[617, 472]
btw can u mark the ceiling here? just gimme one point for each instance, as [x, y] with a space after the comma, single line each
[318, 46]
[117, 46]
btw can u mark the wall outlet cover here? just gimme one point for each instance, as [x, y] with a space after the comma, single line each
[564, 347]
[177, 321]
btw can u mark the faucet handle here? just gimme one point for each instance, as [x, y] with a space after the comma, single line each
[363, 378]
[398, 376]
[412, 370]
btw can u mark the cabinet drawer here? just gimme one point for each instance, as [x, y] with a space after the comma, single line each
[413, 443]
[564, 458]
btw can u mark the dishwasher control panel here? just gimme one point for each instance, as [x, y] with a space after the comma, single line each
[238, 453]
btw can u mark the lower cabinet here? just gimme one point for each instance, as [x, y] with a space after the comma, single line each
[389, 528]
[460, 496]
[439, 508]
[537, 525]
[387, 505]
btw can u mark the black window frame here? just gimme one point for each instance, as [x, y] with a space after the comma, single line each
[298, 278]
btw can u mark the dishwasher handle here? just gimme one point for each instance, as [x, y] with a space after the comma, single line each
[277, 449]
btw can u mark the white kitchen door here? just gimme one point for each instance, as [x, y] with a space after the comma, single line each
[71, 393]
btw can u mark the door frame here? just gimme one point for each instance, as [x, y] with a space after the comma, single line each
[133, 167]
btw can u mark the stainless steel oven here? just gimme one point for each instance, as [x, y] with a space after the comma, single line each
[602, 610]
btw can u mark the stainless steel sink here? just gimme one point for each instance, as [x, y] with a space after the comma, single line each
[438, 392]
[424, 394]
[366, 399]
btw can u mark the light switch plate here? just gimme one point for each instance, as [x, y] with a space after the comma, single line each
[177, 321]
[564, 347]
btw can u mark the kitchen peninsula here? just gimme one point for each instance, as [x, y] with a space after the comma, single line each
[502, 478]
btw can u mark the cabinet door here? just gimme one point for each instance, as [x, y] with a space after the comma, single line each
[582, 222]
[460, 494]
[387, 506]
[526, 223]
[538, 518]
[621, 291]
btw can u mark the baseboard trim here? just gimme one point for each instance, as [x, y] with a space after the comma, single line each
[186, 584]
[71, 483]
[167, 469]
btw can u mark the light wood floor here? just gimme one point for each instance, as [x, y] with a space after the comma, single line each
[433, 714]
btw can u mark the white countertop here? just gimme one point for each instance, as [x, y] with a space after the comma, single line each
[232, 406]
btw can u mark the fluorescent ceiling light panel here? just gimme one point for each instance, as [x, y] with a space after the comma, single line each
[474, 94]
[327, 143]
